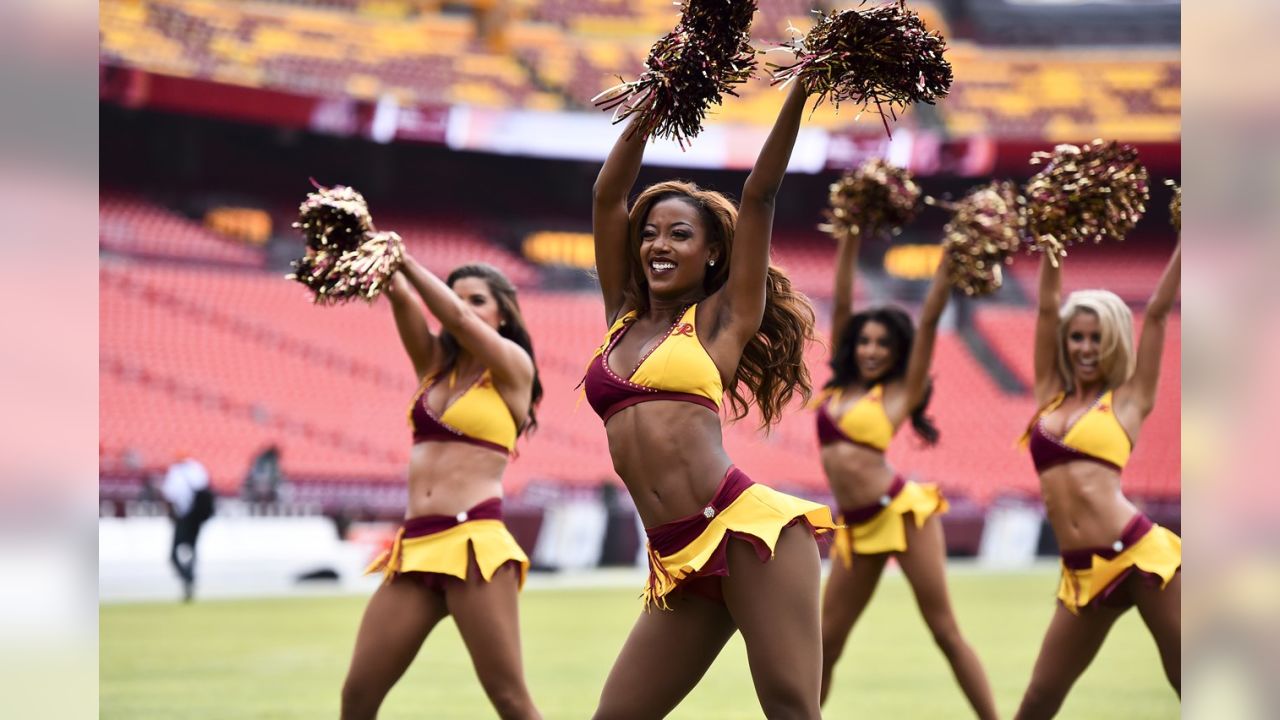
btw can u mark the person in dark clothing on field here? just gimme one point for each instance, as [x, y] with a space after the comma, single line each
[186, 489]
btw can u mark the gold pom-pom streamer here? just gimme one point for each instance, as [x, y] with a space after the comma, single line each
[882, 57]
[334, 218]
[1175, 206]
[985, 230]
[687, 70]
[364, 272]
[338, 266]
[1085, 194]
[313, 270]
[873, 199]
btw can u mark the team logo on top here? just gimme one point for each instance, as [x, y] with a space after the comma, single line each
[684, 329]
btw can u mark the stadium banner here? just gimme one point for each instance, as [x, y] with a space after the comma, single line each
[589, 137]
[1162, 159]
[585, 136]
[415, 124]
[192, 96]
[921, 152]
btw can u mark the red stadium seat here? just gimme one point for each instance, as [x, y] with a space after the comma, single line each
[220, 359]
[129, 224]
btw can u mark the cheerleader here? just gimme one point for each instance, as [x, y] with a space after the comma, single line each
[1094, 392]
[880, 379]
[453, 556]
[694, 311]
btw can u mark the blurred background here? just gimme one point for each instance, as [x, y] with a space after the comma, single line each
[469, 128]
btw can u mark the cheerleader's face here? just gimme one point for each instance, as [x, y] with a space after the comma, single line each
[1084, 347]
[475, 292]
[674, 248]
[874, 352]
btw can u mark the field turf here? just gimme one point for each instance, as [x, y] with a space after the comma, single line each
[286, 658]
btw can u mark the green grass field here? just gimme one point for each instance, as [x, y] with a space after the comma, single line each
[287, 659]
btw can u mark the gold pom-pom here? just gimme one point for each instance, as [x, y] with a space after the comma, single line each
[985, 230]
[1085, 194]
[873, 199]
[687, 71]
[881, 57]
[345, 257]
[1175, 206]
[334, 218]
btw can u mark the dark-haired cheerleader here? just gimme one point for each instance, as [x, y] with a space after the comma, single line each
[880, 379]
[478, 388]
[695, 310]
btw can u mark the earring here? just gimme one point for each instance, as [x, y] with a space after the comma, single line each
[712, 263]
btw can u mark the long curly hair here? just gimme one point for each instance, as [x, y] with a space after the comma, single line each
[772, 367]
[902, 334]
[513, 328]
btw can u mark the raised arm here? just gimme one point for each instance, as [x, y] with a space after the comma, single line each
[846, 273]
[744, 292]
[419, 342]
[509, 364]
[1146, 376]
[609, 217]
[1047, 381]
[917, 380]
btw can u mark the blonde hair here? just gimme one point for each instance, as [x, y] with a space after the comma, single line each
[1117, 360]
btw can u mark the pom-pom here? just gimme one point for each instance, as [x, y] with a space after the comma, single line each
[688, 70]
[1175, 206]
[364, 272]
[985, 229]
[882, 56]
[1085, 194]
[335, 217]
[873, 199]
[339, 265]
[313, 270]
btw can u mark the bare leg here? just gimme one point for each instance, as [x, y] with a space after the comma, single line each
[665, 656]
[925, 565]
[848, 593]
[396, 622]
[775, 605]
[1069, 646]
[488, 620]
[1161, 610]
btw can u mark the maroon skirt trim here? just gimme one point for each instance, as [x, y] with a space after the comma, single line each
[1135, 530]
[423, 525]
[855, 516]
[670, 537]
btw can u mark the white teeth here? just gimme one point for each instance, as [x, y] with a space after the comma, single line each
[662, 265]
